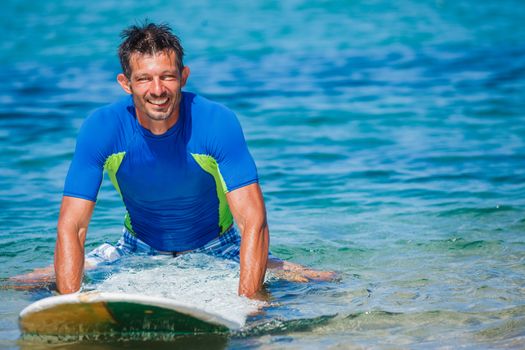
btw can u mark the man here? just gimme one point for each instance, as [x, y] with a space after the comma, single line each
[181, 166]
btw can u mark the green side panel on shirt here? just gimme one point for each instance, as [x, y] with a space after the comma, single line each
[209, 165]
[111, 166]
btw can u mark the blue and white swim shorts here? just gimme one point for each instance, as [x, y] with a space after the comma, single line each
[225, 246]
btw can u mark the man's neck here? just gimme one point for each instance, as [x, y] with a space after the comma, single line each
[157, 127]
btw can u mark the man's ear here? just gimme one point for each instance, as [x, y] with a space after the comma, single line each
[184, 76]
[124, 83]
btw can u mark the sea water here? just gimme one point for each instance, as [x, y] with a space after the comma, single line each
[389, 139]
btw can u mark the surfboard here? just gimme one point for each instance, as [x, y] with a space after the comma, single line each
[100, 313]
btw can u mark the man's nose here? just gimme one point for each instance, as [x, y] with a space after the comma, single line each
[157, 88]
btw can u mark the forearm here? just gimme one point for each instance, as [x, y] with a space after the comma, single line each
[254, 258]
[69, 258]
[75, 214]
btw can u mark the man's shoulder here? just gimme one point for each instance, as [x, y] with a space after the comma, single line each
[105, 121]
[122, 106]
[207, 113]
[202, 104]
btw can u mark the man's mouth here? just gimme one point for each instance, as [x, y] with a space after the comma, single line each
[159, 102]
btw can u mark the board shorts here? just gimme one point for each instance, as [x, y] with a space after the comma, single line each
[226, 246]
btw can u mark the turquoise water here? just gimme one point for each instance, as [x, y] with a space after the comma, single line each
[390, 142]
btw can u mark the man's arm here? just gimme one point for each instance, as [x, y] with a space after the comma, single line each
[247, 206]
[75, 214]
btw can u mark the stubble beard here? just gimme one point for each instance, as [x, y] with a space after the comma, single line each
[163, 116]
[160, 117]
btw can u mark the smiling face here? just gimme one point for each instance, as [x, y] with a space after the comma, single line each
[155, 84]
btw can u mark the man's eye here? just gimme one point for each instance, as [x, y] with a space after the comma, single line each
[169, 77]
[142, 79]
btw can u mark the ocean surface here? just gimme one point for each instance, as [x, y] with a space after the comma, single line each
[389, 138]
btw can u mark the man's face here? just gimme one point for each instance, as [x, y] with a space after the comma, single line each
[155, 84]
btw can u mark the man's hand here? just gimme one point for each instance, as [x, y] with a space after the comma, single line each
[42, 278]
[298, 273]
[247, 207]
[73, 222]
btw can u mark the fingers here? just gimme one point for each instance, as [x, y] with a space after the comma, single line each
[21, 284]
[41, 278]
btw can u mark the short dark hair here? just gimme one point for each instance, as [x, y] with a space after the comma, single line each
[147, 39]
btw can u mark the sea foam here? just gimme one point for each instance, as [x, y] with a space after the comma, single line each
[194, 280]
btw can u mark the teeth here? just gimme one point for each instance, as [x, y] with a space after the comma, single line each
[158, 102]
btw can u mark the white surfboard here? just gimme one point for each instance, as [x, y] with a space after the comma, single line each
[100, 313]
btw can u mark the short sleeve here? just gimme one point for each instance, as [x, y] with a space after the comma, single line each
[86, 170]
[230, 150]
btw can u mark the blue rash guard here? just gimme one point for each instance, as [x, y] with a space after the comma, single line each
[173, 185]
